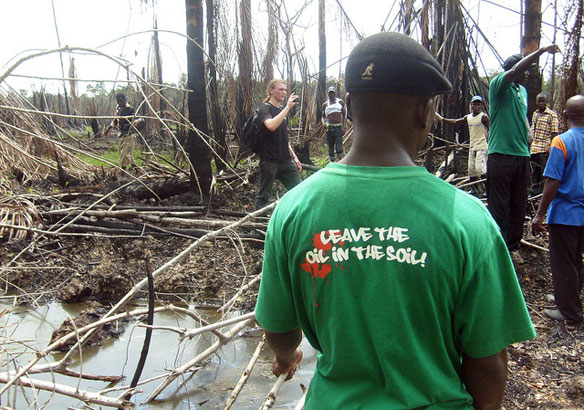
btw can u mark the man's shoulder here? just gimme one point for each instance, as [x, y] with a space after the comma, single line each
[497, 87]
[498, 80]
[267, 110]
[551, 112]
[127, 110]
[573, 134]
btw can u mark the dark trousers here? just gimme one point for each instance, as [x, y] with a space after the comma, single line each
[537, 162]
[566, 247]
[507, 183]
[334, 141]
[286, 172]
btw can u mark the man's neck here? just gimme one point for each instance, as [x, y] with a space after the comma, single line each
[274, 102]
[541, 110]
[366, 151]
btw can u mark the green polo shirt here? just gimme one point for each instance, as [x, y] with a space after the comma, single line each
[508, 111]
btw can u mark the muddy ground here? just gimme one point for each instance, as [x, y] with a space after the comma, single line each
[545, 373]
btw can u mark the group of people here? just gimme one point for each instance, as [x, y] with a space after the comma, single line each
[403, 283]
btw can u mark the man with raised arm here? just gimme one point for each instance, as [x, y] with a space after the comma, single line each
[402, 282]
[508, 172]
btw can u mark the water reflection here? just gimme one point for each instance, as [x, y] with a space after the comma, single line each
[207, 387]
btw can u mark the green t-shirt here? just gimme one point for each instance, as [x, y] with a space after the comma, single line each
[391, 273]
[508, 112]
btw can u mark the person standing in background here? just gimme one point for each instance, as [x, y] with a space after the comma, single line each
[544, 127]
[277, 158]
[334, 118]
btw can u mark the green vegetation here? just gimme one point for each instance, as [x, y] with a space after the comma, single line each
[113, 156]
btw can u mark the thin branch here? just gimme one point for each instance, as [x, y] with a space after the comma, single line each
[82, 395]
[245, 376]
[208, 352]
[272, 395]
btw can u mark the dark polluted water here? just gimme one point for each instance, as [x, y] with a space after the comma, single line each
[207, 388]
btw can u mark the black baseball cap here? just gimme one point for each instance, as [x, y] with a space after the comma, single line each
[512, 60]
[395, 63]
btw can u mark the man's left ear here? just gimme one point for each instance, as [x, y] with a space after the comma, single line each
[348, 105]
[428, 112]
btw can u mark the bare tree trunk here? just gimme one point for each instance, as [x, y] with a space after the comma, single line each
[529, 44]
[552, 98]
[216, 118]
[244, 92]
[271, 46]
[572, 59]
[73, 86]
[158, 64]
[321, 60]
[198, 150]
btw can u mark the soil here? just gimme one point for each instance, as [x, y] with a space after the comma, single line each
[544, 373]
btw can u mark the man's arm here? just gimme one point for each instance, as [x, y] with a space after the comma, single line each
[285, 346]
[486, 121]
[549, 191]
[295, 158]
[451, 120]
[273, 123]
[112, 124]
[485, 379]
[323, 119]
[522, 66]
[555, 125]
[529, 132]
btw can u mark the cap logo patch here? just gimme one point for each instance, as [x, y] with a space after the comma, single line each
[368, 73]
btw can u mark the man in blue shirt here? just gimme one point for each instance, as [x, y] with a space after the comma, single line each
[564, 190]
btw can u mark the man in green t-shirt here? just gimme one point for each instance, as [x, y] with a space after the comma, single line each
[401, 281]
[508, 172]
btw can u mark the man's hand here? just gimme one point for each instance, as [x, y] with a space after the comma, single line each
[298, 163]
[280, 367]
[539, 224]
[292, 100]
[554, 48]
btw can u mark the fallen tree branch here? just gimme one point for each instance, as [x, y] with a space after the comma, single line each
[76, 393]
[242, 289]
[300, 405]
[245, 376]
[272, 395]
[532, 245]
[208, 352]
[164, 219]
[194, 332]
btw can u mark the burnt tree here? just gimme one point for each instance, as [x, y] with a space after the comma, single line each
[271, 50]
[572, 59]
[196, 146]
[245, 58]
[216, 117]
[321, 60]
[530, 43]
